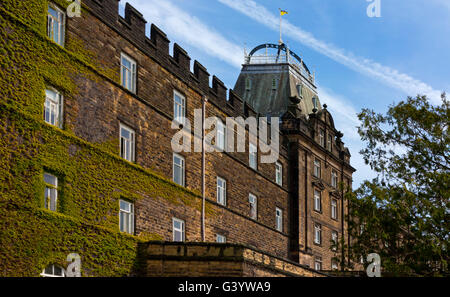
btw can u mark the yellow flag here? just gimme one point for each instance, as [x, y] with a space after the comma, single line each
[283, 12]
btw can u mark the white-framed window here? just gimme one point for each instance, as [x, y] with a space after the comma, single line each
[279, 173]
[334, 178]
[318, 263]
[127, 143]
[178, 169]
[279, 219]
[317, 200]
[221, 191]
[53, 270]
[53, 108]
[51, 191]
[178, 229]
[253, 156]
[334, 265]
[334, 238]
[220, 137]
[329, 142]
[126, 216]
[322, 138]
[56, 20]
[179, 107]
[253, 201]
[334, 211]
[221, 238]
[128, 72]
[317, 168]
[317, 233]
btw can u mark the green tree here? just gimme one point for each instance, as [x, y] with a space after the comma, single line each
[404, 214]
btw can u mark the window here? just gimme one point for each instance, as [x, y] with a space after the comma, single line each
[334, 265]
[220, 137]
[53, 271]
[179, 107]
[315, 103]
[279, 219]
[317, 201]
[128, 73]
[318, 263]
[253, 156]
[317, 168]
[334, 178]
[317, 234]
[329, 142]
[55, 24]
[221, 191]
[334, 209]
[178, 229]
[53, 108]
[51, 191]
[279, 173]
[334, 239]
[127, 143]
[126, 216]
[300, 90]
[220, 238]
[178, 169]
[253, 206]
[274, 83]
[322, 138]
[248, 84]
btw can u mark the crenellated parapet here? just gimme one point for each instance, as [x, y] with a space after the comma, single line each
[133, 27]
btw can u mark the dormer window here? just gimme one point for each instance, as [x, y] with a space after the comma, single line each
[322, 137]
[329, 142]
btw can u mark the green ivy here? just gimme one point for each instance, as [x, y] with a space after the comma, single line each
[92, 175]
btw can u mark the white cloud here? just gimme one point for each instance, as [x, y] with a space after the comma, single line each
[387, 75]
[181, 26]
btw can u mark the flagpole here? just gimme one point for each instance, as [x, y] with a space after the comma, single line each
[280, 41]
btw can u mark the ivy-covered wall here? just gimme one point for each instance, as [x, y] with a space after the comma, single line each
[92, 176]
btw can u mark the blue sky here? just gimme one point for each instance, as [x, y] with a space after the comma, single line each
[359, 61]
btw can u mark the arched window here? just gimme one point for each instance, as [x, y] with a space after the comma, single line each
[53, 270]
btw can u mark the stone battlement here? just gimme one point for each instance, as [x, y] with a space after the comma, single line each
[133, 27]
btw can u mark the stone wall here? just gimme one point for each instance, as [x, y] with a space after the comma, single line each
[214, 259]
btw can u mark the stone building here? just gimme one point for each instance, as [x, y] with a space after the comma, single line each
[87, 166]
